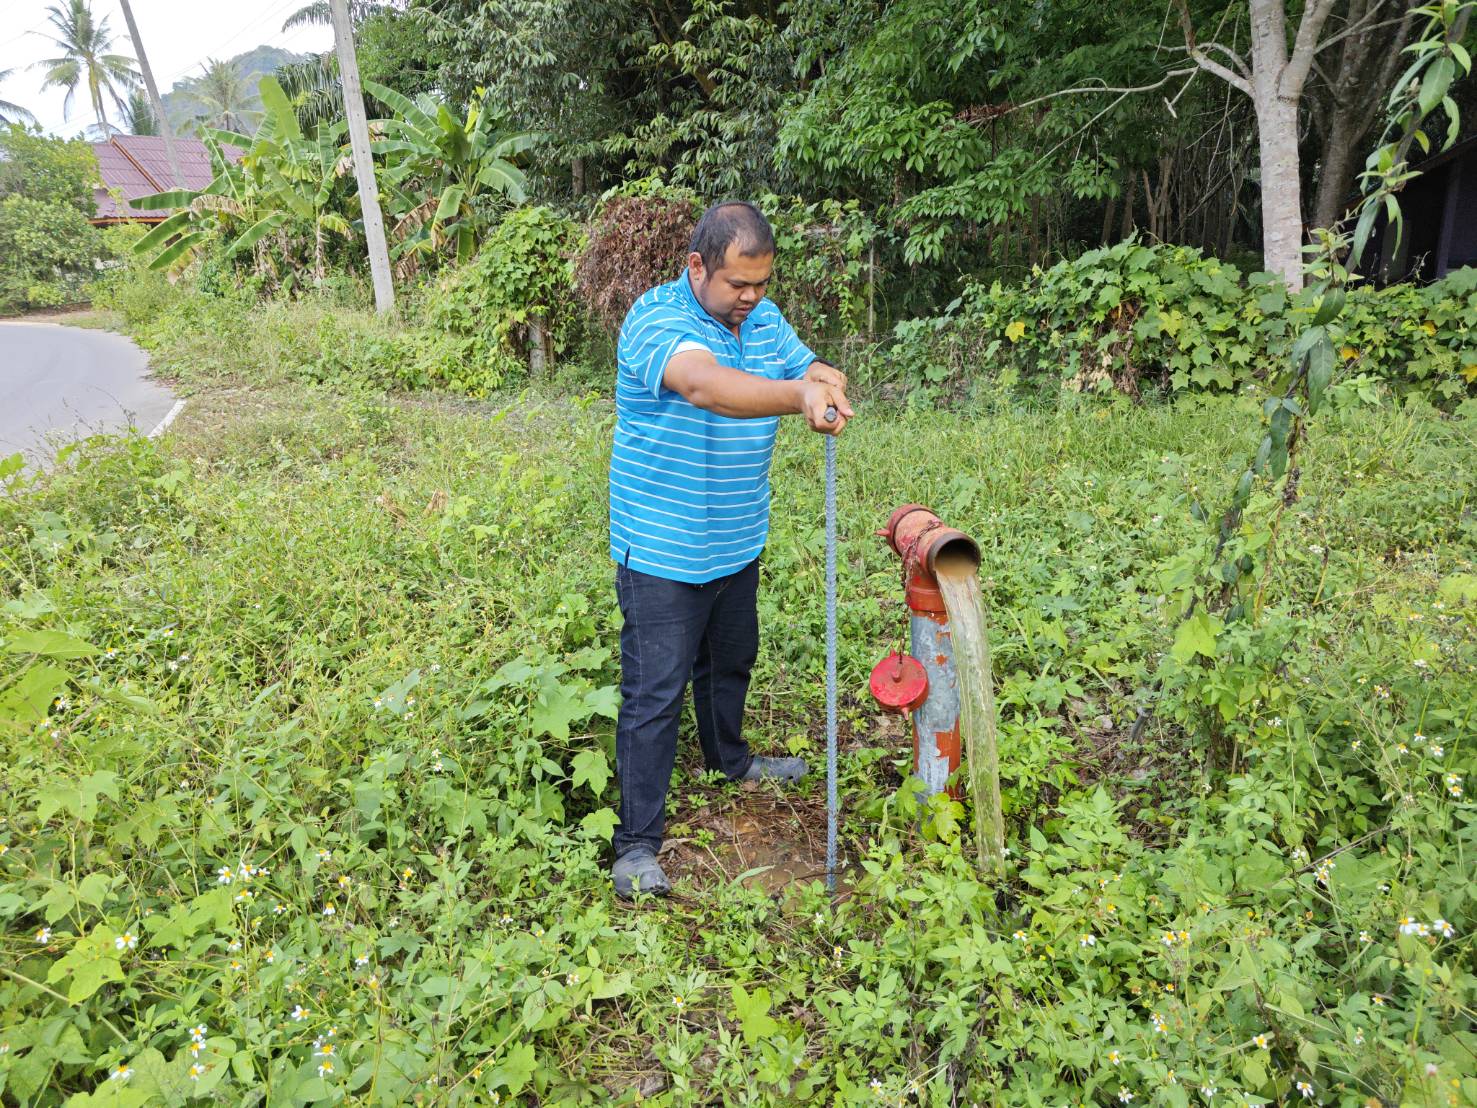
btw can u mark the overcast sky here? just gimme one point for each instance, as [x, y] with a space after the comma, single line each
[178, 34]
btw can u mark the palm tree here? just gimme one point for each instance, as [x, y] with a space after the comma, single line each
[86, 60]
[314, 89]
[317, 13]
[138, 115]
[226, 97]
[11, 113]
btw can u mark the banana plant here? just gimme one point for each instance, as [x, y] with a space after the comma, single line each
[440, 171]
[282, 177]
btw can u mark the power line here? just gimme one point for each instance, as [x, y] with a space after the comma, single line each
[23, 34]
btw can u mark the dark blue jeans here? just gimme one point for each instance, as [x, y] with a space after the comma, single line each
[676, 632]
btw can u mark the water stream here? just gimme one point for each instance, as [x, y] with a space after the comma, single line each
[958, 578]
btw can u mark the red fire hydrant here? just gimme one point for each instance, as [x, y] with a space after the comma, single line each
[925, 681]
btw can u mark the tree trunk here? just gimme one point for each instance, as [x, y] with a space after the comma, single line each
[540, 357]
[369, 200]
[166, 132]
[1282, 213]
[1277, 135]
[1337, 168]
[577, 176]
[1128, 199]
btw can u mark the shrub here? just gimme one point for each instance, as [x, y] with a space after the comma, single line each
[55, 171]
[522, 276]
[46, 253]
[824, 276]
[1131, 316]
[637, 239]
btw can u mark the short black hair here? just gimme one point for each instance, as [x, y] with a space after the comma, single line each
[727, 222]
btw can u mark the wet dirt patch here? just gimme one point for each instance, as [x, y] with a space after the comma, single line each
[760, 835]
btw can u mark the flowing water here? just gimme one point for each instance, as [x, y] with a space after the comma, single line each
[958, 578]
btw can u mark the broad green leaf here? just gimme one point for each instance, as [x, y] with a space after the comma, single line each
[171, 254]
[591, 769]
[1320, 372]
[255, 232]
[29, 699]
[1434, 84]
[164, 231]
[516, 1067]
[88, 966]
[449, 205]
[400, 104]
[1330, 306]
[53, 644]
[1196, 635]
[279, 108]
[174, 198]
[601, 822]
[604, 701]
[556, 709]
[752, 1010]
[31, 605]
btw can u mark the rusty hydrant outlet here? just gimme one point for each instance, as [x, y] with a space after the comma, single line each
[922, 540]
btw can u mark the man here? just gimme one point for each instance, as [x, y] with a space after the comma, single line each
[705, 366]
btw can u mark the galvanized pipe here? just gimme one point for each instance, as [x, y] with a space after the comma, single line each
[920, 538]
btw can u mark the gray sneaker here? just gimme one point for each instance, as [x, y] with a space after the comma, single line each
[639, 871]
[788, 770]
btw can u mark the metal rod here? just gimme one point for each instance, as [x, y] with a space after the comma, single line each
[831, 804]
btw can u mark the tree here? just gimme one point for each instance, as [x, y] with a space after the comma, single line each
[139, 118]
[86, 60]
[446, 176]
[1274, 78]
[313, 88]
[623, 88]
[159, 123]
[319, 13]
[228, 101]
[1347, 91]
[53, 170]
[46, 253]
[11, 113]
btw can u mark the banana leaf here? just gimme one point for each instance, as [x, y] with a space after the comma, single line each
[253, 234]
[403, 105]
[168, 256]
[175, 198]
[450, 204]
[279, 109]
[503, 177]
[171, 226]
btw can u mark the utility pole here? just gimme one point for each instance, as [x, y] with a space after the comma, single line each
[155, 102]
[369, 200]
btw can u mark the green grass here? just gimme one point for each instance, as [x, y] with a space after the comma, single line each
[290, 556]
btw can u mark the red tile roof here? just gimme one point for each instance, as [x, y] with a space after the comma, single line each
[137, 165]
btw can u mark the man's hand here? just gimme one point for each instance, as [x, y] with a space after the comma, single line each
[817, 397]
[820, 371]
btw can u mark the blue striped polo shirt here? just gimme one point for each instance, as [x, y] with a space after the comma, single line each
[689, 489]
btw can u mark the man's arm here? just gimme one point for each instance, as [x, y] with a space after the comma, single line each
[698, 377]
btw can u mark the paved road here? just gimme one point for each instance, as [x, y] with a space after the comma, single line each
[58, 384]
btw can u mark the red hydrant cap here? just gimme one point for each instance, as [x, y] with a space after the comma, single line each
[899, 682]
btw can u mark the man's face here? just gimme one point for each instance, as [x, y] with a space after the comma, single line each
[730, 292]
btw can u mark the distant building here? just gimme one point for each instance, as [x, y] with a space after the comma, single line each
[136, 165]
[1439, 221]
